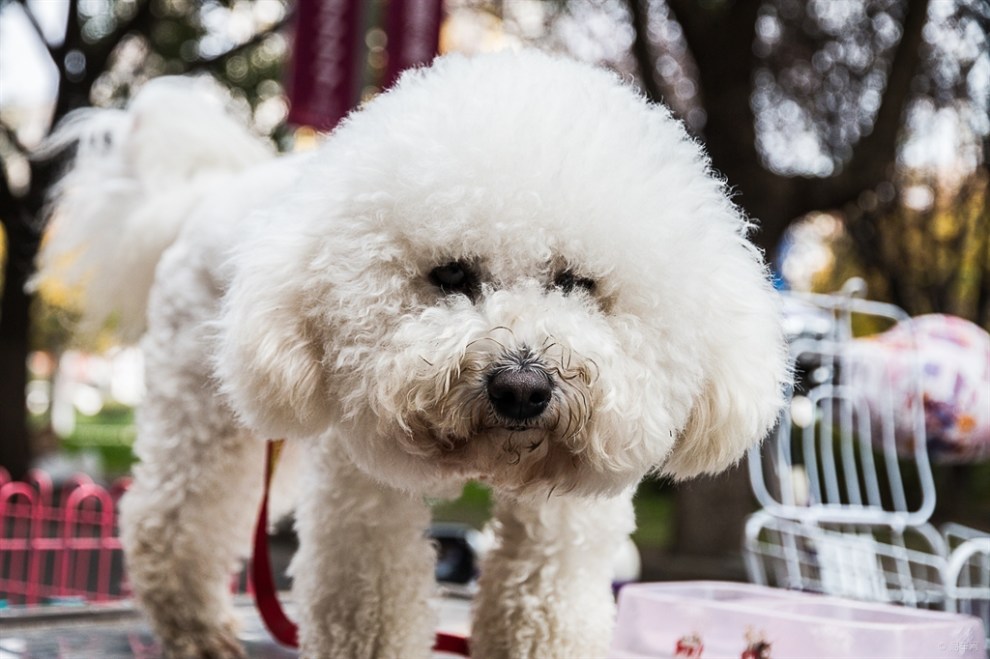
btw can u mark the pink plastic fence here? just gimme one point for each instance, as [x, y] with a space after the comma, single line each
[62, 544]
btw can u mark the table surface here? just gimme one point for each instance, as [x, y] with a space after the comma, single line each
[118, 631]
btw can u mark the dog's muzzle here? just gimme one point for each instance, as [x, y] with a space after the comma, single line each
[519, 392]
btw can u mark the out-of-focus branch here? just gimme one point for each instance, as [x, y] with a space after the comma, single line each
[642, 49]
[100, 56]
[243, 47]
[872, 158]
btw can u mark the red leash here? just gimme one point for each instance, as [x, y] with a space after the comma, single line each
[266, 597]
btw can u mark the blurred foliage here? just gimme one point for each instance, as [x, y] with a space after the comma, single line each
[930, 255]
[819, 67]
[239, 42]
[54, 316]
[108, 435]
[472, 507]
[825, 66]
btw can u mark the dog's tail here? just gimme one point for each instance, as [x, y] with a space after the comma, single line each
[135, 177]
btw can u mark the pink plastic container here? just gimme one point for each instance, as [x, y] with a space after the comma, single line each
[707, 619]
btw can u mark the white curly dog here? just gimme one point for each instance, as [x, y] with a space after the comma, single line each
[509, 269]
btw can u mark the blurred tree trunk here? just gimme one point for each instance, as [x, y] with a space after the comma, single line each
[21, 216]
[15, 445]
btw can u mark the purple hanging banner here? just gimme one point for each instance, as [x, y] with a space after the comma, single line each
[323, 82]
[413, 31]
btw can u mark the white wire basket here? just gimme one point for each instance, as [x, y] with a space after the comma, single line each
[835, 456]
[870, 562]
[845, 482]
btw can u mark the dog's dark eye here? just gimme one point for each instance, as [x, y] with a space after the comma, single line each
[567, 282]
[455, 277]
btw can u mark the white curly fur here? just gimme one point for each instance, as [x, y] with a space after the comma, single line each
[295, 299]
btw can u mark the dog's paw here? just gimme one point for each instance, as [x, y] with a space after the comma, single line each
[213, 644]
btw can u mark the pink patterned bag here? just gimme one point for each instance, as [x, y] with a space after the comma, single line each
[954, 359]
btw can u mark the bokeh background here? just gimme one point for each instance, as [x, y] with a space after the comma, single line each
[855, 132]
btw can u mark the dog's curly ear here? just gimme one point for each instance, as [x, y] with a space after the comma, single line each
[269, 357]
[745, 366]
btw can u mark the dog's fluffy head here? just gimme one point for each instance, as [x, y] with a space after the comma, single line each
[510, 268]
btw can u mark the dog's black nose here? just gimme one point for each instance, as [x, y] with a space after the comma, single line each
[520, 393]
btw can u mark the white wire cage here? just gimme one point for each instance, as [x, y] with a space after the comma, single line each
[837, 455]
[845, 482]
[871, 562]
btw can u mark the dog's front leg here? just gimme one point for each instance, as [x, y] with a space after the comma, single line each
[363, 576]
[546, 587]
